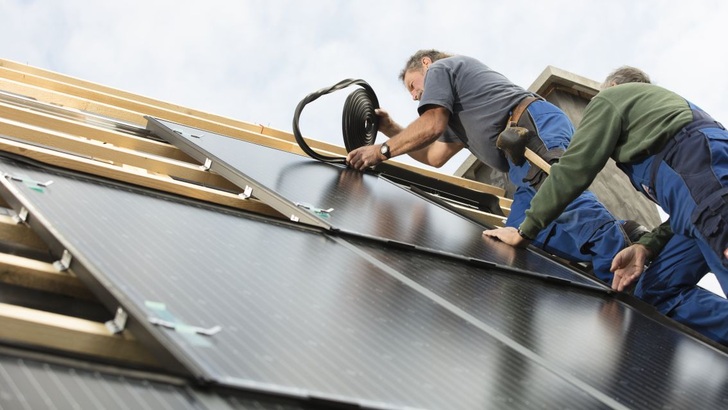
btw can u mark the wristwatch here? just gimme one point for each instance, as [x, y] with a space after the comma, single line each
[523, 235]
[384, 150]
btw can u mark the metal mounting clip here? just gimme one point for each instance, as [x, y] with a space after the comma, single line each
[21, 216]
[65, 261]
[118, 324]
[206, 166]
[247, 192]
[316, 210]
[174, 326]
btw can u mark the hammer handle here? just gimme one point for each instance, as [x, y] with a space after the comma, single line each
[534, 159]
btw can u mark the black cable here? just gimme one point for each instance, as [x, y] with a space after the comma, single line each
[359, 122]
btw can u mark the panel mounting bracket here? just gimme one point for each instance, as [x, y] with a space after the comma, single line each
[118, 323]
[21, 216]
[65, 262]
[207, 165]
[247, 192]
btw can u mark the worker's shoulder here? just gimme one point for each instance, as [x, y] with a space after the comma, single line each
[636, 90]
[634, 95]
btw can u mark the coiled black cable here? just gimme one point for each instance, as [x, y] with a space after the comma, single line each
[359, 121]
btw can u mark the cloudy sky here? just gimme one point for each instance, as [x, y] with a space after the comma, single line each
[255, 60]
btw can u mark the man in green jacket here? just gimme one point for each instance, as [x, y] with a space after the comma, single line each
[675, 154]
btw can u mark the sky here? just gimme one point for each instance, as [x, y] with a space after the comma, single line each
[254, 60]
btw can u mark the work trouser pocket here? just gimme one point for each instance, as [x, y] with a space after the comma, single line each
[711, 220]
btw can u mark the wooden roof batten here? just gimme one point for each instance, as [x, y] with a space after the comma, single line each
[87, 96]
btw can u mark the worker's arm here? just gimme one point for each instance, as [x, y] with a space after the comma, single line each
[657, 238]
[416, 139]
[436, 154]
[590, 148]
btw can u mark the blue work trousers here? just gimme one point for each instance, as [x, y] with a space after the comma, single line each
[586, 231]
[688, 180]
[670, 285]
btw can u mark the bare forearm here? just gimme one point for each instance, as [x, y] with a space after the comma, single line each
[416, 140]
[417, 136]
[391, 129]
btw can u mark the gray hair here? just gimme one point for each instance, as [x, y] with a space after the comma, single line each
[415, 62]
[625, 74]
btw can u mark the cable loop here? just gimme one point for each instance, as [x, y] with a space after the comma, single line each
[359, 121]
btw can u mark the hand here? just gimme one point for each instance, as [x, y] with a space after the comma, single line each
[507, 235]
[628, 265]
[386, 125]
[364, 157]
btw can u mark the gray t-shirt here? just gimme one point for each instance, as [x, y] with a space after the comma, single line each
[479, 100]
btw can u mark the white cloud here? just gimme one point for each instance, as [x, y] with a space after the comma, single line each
[254, 60]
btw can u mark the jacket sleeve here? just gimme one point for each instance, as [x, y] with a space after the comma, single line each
[590, 148]
[656, 240]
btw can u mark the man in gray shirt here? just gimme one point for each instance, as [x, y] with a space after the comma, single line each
[465, 104]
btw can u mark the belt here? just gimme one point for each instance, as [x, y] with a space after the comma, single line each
[520, 108]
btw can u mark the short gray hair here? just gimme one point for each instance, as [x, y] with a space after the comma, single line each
[415, 62]
[625, 74]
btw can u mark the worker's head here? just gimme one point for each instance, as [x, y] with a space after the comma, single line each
[413, 73]
[625, 74]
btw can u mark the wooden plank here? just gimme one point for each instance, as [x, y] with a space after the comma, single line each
[483, 217]
[12, 231]
[95, 149]
[218, 124]
[33, 274]
[90, 131]
[161, 183]
[139, 120]
[79, 336]
[113, 96]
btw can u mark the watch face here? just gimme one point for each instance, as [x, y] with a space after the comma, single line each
[384, 150]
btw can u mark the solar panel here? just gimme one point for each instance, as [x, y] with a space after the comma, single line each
[352, 202]
[27, 383]
[344, 319]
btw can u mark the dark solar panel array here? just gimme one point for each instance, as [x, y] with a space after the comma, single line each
[310, 315]
[36, 384]
[361, 203]
[33, 381]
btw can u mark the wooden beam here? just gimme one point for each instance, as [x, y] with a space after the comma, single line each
[92, 132]
[138, 119]
[97, 150]
[12, 231]
[93, 97]
[111, 96]
[483, 217]
[33, 274]
[132, 176]
[79, 336]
